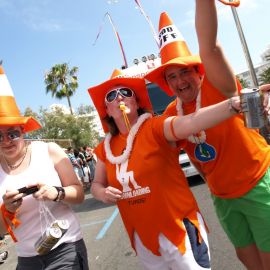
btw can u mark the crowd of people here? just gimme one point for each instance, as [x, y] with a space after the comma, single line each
[83, 161]
[160, 214]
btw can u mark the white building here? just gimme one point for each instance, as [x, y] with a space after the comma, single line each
[62, 107]
[98, 124]
[94, 114]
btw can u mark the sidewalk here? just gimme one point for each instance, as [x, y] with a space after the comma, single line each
[11, 261]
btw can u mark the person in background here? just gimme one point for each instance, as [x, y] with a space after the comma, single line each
[91, 160]
[233, 159]
[138, 169]
[85, 167]
[76, 162]
[71, 156]
[79, 170]
[46, 166]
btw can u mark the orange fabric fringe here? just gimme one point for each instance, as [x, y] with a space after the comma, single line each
[12, 218]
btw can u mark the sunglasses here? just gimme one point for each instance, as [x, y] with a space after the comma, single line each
[12, 135]
[124, 92]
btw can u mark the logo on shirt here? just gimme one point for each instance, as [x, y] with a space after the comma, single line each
[204, 152]
[126, 179]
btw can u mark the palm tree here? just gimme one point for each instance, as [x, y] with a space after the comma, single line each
[62, 81]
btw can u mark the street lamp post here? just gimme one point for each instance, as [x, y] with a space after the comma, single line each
[264, 131]
[245, 47]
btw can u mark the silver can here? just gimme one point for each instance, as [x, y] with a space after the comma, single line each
[48, 240]
[252, 107]
[62, 224]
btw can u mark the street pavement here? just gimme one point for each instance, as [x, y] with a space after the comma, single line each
[108, 245]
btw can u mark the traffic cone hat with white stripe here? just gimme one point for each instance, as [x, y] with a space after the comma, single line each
[9, 112]
[118, 79]
[173, 51]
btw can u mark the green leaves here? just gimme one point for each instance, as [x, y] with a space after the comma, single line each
[62, 81]
[265, 76]
[243, 82]
[56, 124]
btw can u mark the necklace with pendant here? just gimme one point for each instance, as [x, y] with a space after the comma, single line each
[203, 152]
[200, 137]
[130, 139]
[15, 166]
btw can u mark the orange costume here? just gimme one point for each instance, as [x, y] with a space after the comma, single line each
[150, 195]
[233, 159]
[213, 150]
[221, 162]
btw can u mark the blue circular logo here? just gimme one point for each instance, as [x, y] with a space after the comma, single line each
[204, 152]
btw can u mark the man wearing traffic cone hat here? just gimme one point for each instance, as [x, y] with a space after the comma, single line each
[223, 152]
[173, 52]
[43, 171]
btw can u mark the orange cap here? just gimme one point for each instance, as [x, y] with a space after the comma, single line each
[9, 112]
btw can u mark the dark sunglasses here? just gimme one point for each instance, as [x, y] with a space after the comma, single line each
[124, 92]
[12, 135]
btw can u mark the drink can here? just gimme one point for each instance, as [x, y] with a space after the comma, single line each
[48, 239]
[252, 107]
[62, 224]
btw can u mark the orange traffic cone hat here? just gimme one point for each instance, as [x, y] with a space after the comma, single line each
[9, 112]
[118, 79]
[173, 51]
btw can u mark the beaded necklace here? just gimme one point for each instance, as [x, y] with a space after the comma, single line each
[15, 166]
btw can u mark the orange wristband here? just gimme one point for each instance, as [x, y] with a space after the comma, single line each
[172, 129]
[12, 217]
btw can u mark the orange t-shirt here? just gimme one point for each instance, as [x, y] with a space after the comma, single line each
[241, 155]
[156, 195]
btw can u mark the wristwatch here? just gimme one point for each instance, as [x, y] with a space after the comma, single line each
[60, 195]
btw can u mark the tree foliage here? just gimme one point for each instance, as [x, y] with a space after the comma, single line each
[61, 81]
[243, 82]
[265, 76]
[80, 128]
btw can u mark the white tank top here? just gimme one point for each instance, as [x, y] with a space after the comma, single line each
[41, 169]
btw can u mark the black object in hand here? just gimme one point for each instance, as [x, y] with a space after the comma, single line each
[29, 190]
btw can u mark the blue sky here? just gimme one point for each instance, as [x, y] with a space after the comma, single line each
[36, 34]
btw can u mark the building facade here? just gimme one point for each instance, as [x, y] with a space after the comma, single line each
[259, 68]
